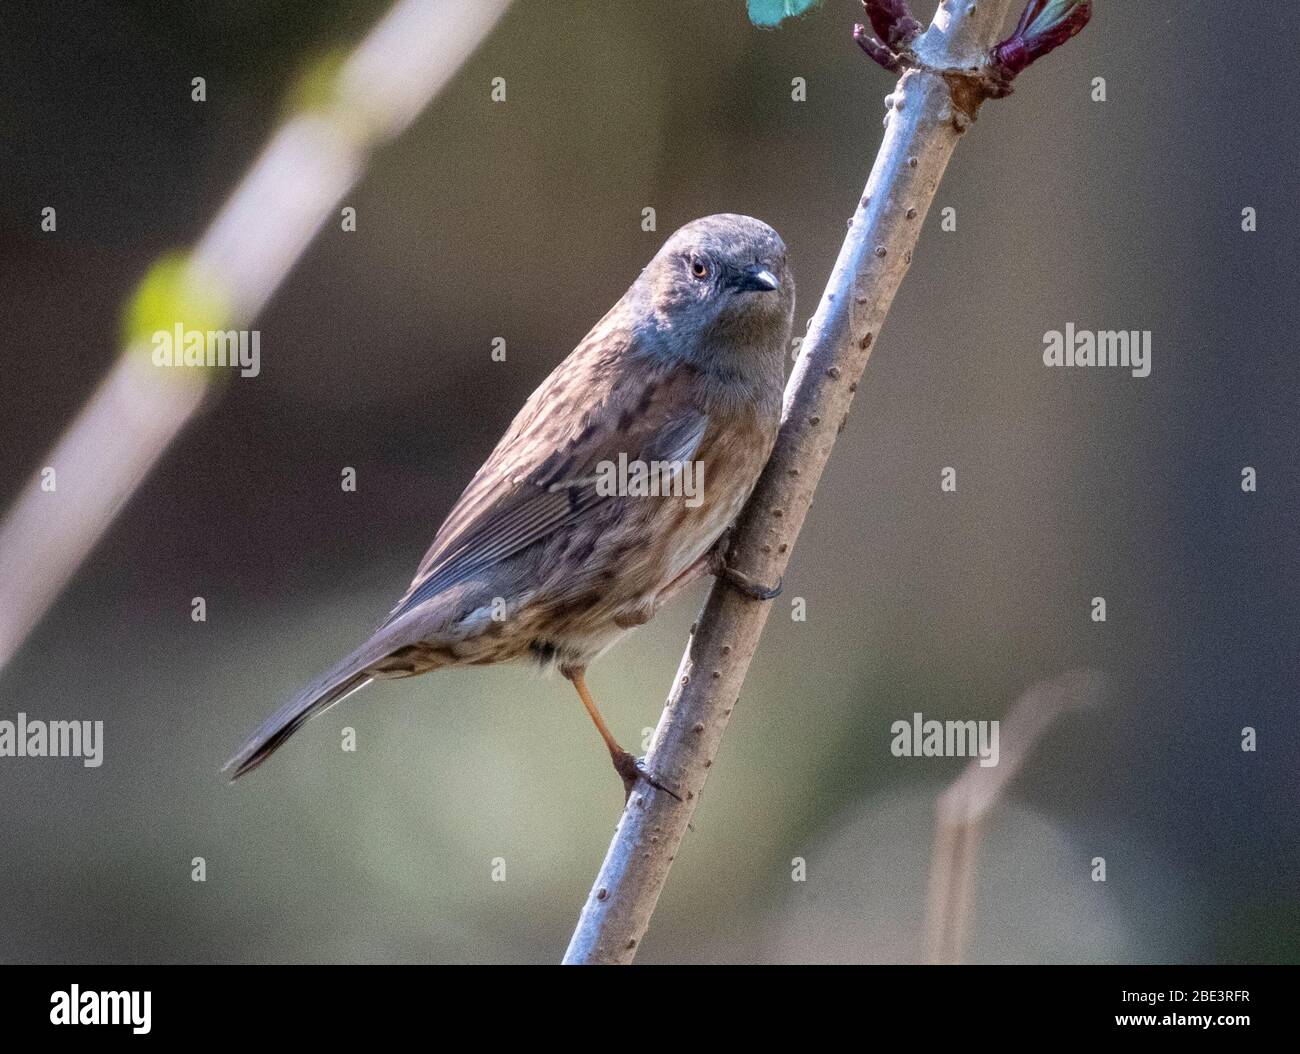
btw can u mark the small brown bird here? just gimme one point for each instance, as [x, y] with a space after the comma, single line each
[610, 490]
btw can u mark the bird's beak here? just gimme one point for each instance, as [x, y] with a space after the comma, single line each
[757, 279]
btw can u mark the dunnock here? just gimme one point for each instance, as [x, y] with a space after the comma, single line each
[611, 489]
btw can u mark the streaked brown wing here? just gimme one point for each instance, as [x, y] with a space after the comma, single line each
[540, 478]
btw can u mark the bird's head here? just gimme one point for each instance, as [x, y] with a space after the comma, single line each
[722, 283]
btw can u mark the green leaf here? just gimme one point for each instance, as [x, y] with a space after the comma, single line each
[771, 13]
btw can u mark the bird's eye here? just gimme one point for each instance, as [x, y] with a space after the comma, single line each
[699, 269]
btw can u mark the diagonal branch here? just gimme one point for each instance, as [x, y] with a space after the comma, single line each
[948, 71]
[962, 808]
[242, 259]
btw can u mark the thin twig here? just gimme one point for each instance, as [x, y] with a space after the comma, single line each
[961, 809]
[948, 72]
[252, 244]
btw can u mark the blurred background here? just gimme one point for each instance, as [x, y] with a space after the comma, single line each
[523, 220]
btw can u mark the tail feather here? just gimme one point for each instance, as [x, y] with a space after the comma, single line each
[337, 685]
[350, 675]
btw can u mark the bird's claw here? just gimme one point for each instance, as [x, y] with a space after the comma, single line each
[631, 769]
[719, 568]
[752, 589]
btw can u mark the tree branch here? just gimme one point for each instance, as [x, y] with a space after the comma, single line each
[962, 809]
[948, 71]
[243, 257]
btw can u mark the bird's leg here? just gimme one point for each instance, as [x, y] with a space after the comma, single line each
[629, 768]
[714, 562]
[703, 566]
[719, 568]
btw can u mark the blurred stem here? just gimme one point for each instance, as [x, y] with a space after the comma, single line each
[98, 463]
[961, 809]
[934, 102]
[314, 158]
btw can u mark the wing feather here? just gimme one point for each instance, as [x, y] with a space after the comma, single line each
[541, 477]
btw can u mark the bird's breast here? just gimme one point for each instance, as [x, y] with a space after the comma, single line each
[728, 462]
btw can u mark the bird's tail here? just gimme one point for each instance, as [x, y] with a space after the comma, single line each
[347, 677]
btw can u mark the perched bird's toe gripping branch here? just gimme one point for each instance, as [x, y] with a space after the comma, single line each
[752, 589]
[719, 567]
